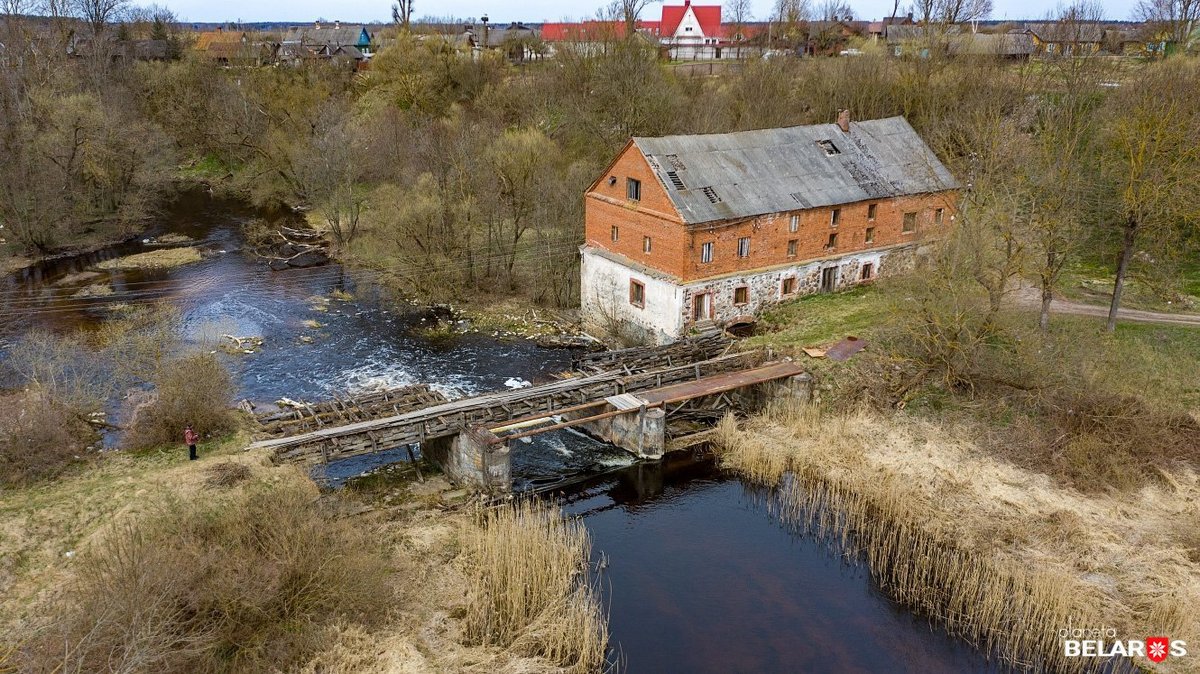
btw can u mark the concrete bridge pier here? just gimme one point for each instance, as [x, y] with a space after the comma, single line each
[798, 388]
[641, 430]
[474, 458]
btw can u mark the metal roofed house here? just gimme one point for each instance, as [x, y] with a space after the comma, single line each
[686, 230]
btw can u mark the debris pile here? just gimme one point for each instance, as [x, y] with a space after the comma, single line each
[296, 248]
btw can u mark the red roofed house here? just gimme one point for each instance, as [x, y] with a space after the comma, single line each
[692, 32]
[588, 36]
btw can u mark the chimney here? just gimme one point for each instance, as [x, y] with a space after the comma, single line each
[843, 120]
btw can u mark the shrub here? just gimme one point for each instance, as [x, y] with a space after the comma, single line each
[248, 582]
[38, 438]
[193, 389]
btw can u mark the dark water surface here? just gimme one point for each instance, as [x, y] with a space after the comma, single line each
[700, 577]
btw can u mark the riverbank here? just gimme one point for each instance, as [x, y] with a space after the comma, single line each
[1003, 508]
[417, 550]
[998, 554]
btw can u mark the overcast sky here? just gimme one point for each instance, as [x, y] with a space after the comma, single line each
[530, 10]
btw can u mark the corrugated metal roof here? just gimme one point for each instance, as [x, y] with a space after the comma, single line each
[748, 173]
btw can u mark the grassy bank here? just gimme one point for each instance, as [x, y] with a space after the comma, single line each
[1055, 481]
[1000, 555]
[149, 562]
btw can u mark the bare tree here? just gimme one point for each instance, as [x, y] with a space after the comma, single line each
[1177, 18]
[1056, 173]
[789, 18]
[738, 14]
[629, 12]
[98, 13]
[402, 13]
[1151, 160]
[944, 13]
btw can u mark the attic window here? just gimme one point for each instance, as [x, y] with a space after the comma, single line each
[675, 180]
[712, 195]
[829, 148]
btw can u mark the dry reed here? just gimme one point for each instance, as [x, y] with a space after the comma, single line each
[529, 587]
[1004, 608]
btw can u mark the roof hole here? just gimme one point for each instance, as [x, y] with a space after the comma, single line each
[673, 160]
[711, 194]
[829, 148]
[675, 180]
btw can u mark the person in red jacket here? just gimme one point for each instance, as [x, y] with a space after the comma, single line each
[190, 438]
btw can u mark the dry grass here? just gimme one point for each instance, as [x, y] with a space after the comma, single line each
[48, 530]
[245, 582]
[999, 554]
[166, 258]
[227, 474]
[529, 587]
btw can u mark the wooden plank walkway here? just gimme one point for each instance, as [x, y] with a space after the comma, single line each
[720, 383]
[333, 442]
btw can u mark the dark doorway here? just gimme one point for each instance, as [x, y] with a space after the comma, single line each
[829, 277]
[701, 307]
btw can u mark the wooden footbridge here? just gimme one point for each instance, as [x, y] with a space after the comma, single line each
[625, 397]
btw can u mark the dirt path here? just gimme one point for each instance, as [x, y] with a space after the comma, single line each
[1028, 296]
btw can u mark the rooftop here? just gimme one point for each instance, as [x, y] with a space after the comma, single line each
[748, 173]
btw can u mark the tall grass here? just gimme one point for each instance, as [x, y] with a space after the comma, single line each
[1004, 608]
[530, 591]
[244, 582]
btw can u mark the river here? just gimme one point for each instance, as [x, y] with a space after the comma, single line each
[698, 576]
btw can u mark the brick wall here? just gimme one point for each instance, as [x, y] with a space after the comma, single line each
[769, 235]
[653, 216]
[676, 249]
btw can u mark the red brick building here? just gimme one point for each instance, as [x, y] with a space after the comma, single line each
[689, 229]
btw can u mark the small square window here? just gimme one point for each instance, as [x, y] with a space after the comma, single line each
[835, 217]
[633, 189]
[832, 243]
[744, 247]
[646, 244]
[870, 235]
[616, 233]
[872, 209]
[793, 244]
[794, 224]
[937, 216]
[910, 222]
[637, 293]
[706, 251]
[789, 285]
[741, 295]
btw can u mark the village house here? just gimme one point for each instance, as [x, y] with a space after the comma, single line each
[350, 45]
[692, 32]
[684, 231]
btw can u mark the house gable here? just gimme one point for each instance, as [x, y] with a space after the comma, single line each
[612, 185]
[704, 20]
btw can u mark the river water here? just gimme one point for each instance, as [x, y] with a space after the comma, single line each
[698, 575]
